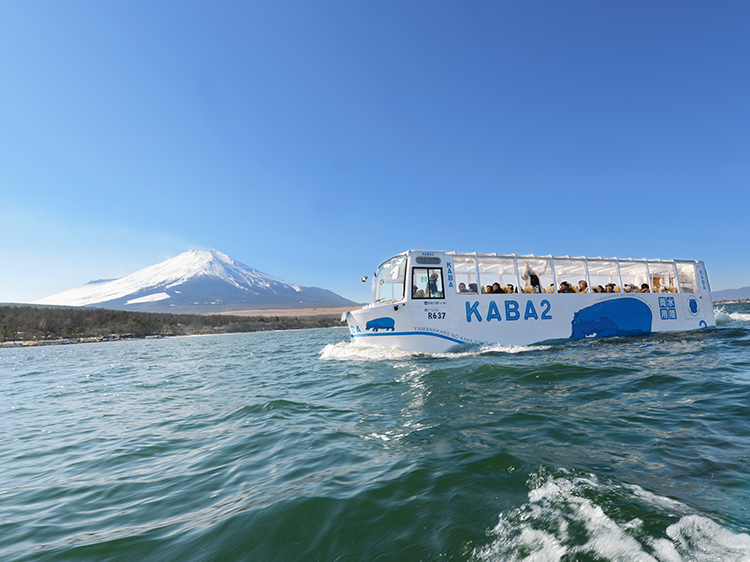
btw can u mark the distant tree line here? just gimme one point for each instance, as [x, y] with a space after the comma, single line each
[25, 323]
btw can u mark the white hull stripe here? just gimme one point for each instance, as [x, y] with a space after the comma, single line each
[408, 334]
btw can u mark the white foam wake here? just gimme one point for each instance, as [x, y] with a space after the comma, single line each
[497, 348]
[724, 317]
[561, 521]
[346, 351]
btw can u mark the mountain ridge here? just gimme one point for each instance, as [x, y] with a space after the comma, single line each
[196, 281]
[731, 294]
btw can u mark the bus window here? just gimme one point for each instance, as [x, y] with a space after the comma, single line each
[662, 277]
[500, 270]
[634, 276]
[686, 273]
[390, 280]
[603, 276]
[536, 275]
[574, 272]
[465, 271]
[427, 283]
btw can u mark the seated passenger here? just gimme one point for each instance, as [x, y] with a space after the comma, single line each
[645, 288]
[583, 287]
[472, 287]
[462, 288]
[510, 289]
[488, 290]
[610, 288]
[497, 289]
[419, 293]
[565, 288]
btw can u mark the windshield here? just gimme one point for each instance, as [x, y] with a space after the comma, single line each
[389, 281]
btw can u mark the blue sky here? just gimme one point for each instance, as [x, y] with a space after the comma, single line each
[313, 140]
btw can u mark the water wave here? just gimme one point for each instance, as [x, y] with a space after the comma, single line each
[725, 316]
[346, 351]
[571, 516]
[302, 446]
[497, 348]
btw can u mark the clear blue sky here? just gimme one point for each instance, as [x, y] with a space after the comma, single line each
[313, 140]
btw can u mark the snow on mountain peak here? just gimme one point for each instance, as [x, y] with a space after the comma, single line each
[168, 274]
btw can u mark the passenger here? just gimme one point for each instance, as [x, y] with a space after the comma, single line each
[645, 288]
[419, 293]
[462, 288]
[510, 289]
[497, 289]
[610, 288]
[488, 290]
[532, 279]
[472, 287]
[434, 293]
[565, 288]
[583, 287]
[598, 289]
[630, 288]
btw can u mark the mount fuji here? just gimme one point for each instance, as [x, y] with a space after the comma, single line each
[197, 282]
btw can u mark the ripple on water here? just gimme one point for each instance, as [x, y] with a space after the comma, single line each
[302, 446]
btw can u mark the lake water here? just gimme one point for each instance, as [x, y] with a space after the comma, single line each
[301, 446]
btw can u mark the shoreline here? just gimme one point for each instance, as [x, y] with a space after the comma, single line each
[30, 326]
[300, 312]
[75, 341]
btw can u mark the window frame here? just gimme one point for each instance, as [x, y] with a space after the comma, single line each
[427, 271]
[380, 280]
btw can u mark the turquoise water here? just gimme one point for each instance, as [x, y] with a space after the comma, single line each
[301, 446]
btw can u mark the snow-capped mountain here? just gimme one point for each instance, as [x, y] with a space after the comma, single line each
[197, 281]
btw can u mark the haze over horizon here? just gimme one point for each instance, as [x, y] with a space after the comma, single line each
[314, 141]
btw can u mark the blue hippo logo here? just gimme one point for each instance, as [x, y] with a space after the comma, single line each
[620, 317]
[693, 305]
[384, 323]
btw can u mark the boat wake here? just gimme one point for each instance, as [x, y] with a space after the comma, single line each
[725, 316]
[576, 516]
[346, 351]
[497, 348]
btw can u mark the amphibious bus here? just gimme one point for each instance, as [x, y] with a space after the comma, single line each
[434, 301]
